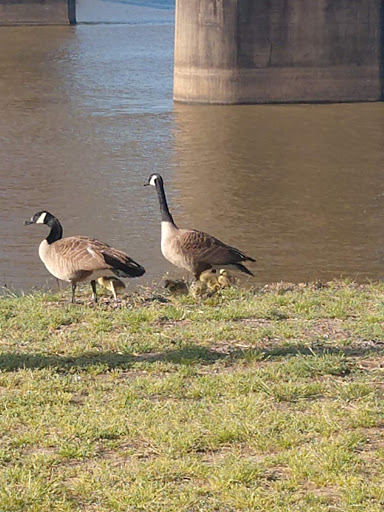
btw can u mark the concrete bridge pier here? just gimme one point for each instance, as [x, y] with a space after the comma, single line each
[37, 12]
[278, 51]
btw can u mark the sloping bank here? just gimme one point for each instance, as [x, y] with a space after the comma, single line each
[249, 400]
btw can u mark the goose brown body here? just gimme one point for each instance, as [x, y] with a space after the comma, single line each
[192, 250]
[197, 251]
[77, 259]
[81, 258]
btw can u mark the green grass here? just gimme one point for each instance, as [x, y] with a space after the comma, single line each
[267, 400]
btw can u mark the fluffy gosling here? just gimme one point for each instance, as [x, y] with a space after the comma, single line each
[111, 283]
[175, 287]
[198, 288]
[225, 279]
[209, 277]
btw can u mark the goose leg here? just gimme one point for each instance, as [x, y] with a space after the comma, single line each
[73, 292]
[113, 290]
[94, 295]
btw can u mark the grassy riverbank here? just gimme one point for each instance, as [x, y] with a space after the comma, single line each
[248, 401]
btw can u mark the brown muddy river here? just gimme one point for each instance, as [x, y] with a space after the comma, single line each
[87, 114]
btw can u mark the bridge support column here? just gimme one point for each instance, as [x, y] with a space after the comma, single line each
[278, 51]
[37, 12]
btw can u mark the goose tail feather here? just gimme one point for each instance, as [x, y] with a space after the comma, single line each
[243, 268]
[124, 268]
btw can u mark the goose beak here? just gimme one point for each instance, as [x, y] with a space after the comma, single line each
[145, 184]
[27, 222]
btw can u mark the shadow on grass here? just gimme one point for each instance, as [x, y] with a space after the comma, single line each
[187, 356]
[107, 360]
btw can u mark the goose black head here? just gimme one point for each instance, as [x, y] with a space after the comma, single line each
[42, 217]
[153, 179]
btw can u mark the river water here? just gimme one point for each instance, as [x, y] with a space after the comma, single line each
[87, 114]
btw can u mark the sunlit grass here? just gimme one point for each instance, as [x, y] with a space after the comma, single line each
[266, 400]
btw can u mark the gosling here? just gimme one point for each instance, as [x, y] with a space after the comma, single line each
[225, 279]
[209, 277]
[198, 289]
[175, 287]
[112, 284]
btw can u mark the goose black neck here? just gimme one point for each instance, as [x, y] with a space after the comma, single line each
[56, 230]
[164, 210]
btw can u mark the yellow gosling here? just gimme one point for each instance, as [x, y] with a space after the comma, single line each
[198, 289]
[225, 279]
[209, 277]
[111, 283]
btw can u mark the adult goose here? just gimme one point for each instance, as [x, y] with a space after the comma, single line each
[78, 259]
[193, 250]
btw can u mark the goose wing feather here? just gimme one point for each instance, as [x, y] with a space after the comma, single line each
[82, 252]
[89, 254]
[206, 248]
[121, 264]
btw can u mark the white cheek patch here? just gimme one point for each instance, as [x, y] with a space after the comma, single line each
[41, 219]
[153, 180]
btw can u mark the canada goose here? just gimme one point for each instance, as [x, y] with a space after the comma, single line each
[176, 287]
[225, 279]
[111, 283]
[79, 258]
[193, 250]
[209, 277]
